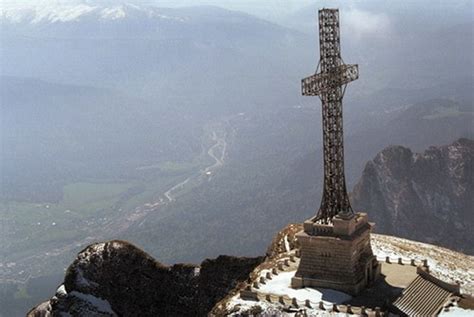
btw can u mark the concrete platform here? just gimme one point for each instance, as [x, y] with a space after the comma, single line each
[394, 278]
[398, 275]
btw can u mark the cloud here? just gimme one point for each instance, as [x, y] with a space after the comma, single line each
[363, 23]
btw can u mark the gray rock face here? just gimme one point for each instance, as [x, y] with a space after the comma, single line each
[422, 196]
[116, 278]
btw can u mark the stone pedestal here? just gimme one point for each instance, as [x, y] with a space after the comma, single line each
[337, 256]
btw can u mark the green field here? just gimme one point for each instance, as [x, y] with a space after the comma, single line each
[90, 197]
[80, 200]
[84, 208]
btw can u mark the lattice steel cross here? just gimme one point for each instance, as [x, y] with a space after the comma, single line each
[328, 85]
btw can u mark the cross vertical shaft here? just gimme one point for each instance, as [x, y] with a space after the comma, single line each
[335, 244]
[328, 85]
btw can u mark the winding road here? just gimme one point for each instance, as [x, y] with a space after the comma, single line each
[219, 144]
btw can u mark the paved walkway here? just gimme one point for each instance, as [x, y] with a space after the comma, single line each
[395, 277]
[398, 275]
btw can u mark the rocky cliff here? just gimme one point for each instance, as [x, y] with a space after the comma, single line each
[116, 278]
[422, 196]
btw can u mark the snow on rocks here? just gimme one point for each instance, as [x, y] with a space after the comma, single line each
[456, 312]
[273, 309]
[287, 244]
[445, 264]
[61, 291]
[80, 304]
[44, 13]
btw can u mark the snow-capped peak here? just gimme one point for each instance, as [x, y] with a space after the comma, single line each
[113, 13]
[60, 12]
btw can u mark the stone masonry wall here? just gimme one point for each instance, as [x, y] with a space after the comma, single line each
[331, 258]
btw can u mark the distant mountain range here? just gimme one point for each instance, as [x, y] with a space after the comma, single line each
[201, 59]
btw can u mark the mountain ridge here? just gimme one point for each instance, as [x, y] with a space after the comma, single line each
[94, 283]
[402, 189]
[144, 15]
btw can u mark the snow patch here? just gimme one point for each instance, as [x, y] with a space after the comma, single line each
[456, 312]
[445, 264]
[61, 291]
[281, 285]
[113, 13]
[247, 304]
[287, 244]
[62, 12]
[98, 247]
[273, 309]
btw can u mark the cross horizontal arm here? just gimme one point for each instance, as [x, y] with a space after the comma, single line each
[318, 84]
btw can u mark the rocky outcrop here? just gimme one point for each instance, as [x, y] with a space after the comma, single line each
[422, 196]
[116, 278]
[219, 276]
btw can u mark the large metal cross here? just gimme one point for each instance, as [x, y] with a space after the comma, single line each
[328, 85]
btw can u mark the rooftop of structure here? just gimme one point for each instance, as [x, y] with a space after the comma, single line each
[341, 227]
